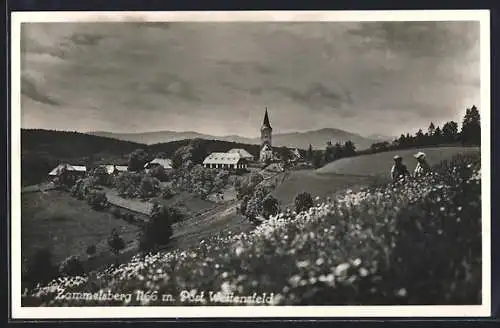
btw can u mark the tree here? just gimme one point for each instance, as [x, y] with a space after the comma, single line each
[91, 250]
[317, 159]
[72, 266]
[97, 200]
[115, 242]
[338, 151]
[450, 131]
[303, 202]
[329, 152]
[137, 159]
[431, 129]
[285, 154]
[419, 138]
[39, 268]
[310, 153]
[158, 230]
[348, 149]
[100, 175]
[471, 127]
[149, 187]
[270, 206]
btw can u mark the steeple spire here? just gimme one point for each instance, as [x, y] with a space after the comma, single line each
[266, 120]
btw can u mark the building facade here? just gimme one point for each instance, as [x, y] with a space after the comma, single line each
[266, 135]
[230, 161]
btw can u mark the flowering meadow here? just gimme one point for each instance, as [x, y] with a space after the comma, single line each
[417, 242]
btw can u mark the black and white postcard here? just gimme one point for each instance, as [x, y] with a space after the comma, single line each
[250, 164]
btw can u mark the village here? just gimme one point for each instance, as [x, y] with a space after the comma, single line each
[236, 159]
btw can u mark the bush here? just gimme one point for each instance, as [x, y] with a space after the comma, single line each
[115, 211]
[158, 231]
[127, 184]
[159, 173]
[149, 187]
[270, 206]
[97, 200]
[168, 192]
[115, 242]
[39, 268]
[303, 202]
[91, 250]
[72, 266]
[128, 217]
[357, 249]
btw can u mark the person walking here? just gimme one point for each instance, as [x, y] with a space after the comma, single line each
[399, 170]
[422, 167]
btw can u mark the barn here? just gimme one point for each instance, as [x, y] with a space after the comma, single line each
[68, 173]
[225, 161]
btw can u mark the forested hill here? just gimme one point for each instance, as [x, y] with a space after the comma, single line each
[65, 144]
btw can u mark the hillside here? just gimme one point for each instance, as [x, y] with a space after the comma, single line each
[42, 150]
[380, 163]
[301, 140]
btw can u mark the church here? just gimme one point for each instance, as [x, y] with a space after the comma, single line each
[266, 148]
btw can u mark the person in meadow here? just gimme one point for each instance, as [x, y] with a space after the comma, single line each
[399, 170]
[422, 167]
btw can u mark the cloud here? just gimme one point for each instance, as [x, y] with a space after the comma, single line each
[175, 76]
[30, 89]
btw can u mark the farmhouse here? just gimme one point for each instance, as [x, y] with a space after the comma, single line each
[243, 153]
[225, 161]
[115, 169]
[67, 172]
[163, 162]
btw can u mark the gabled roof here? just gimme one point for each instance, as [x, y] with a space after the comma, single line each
[222, 158]
[243, 153]
[59, 168]
[164, 162]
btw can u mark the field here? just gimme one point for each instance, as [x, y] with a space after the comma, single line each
[67, 226]
[380, 163]
[357, 248]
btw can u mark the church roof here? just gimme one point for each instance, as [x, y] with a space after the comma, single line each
[266, 120]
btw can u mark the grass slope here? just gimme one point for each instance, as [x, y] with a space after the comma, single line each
[66, 225]
[290, 184]
[380, 163]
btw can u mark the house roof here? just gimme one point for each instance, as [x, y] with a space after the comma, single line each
[222, 158]
[243, 153]
[164, 162]
[121, 168]
[59, 168]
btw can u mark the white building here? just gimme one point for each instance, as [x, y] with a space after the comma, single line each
[166, 163]
[225, 161]
[243, 153]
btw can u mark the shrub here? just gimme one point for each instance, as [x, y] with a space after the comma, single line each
[101, 176]
[149, 187]
[270, 206]
[127, 184]
[39, 268]
[115, 242]
[159, 173]
[91, 250]
[115, 211]
[303, 202]
[97, 200]
[167, 192]
[72, 266]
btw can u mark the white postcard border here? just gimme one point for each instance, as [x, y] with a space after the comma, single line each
[19, 312]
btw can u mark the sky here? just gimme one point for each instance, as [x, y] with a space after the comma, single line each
[217, 78]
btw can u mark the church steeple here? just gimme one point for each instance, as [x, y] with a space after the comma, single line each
[266, 121]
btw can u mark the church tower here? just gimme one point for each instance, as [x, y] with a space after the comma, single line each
[266, 139]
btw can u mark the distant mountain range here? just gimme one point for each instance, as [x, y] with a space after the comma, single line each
[317, 138]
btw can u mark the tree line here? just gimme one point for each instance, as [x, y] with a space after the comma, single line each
[448, 133]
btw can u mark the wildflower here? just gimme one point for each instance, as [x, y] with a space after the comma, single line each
[401, 292]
